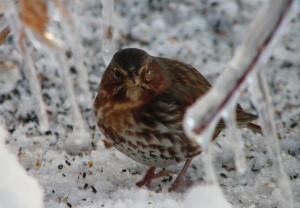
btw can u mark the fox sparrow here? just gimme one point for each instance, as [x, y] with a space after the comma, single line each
[140, 107]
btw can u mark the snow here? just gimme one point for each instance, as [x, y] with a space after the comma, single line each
[17, 188]
[179, 29]
[206, 197]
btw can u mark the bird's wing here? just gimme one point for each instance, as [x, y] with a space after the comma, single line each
[186, 85]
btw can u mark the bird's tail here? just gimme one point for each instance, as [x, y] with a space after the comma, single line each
[257, 129]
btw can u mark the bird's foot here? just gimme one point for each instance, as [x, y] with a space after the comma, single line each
[179, 182]
[150, 175]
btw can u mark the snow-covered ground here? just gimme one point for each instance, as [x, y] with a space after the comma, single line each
[203, 34]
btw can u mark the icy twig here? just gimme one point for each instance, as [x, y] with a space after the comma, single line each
[255, 49]
[36, 91]
[262, 101]
[72, 36]
[11, 14]
[34, 17]
[210, 174]
[4, 29]
[78, 139]
[3, 34]
[237, 146]
[108, 47]
[2, 7]
[79, 134]
[54, 48]
[30, 71]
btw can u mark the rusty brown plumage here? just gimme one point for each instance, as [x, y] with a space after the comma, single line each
[140, 107]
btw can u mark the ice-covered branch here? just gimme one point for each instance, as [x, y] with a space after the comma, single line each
[255, 50]
[262, 35]
[260, 95]
[108, 46]
[35, 86]
[70, 30]
[32, 25]
[237, 146]
[79, 137]
[3, 34]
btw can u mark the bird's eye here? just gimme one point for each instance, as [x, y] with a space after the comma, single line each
[117, 73]
[148, 71]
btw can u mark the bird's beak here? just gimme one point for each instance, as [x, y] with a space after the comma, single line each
[133, 80]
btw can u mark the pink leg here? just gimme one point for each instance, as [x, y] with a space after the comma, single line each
[146, 181]
[179, 180]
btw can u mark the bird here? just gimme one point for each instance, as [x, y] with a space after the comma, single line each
[140, 107]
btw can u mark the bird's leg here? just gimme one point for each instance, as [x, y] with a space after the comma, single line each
[146, 181]
[179, 180]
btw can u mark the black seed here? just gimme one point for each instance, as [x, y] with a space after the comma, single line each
[68, 163]
[293, 125]
[69, 54]
[94, 190]
[213, 4]
[69, 205]
[60, 166]
[48, 133]
[64, 175]
[165, 180]
[84, 175]
[73, 70]
[11, 130]
[20, 150]
[193, 166]
[53, 191]
[85, 186]
[124, 170]
[223, 175]
[93, 144]
[287, 64]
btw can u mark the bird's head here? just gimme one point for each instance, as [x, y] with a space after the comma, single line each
[132, 76]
